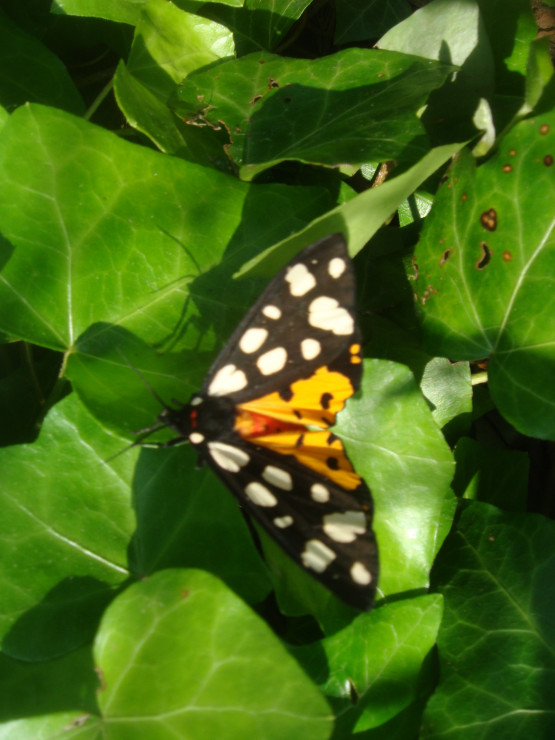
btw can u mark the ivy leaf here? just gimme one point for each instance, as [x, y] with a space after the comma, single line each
[496, 645]
[80, 520]
[296, 109]
[486, 262]
[173, 648]
[374, 664]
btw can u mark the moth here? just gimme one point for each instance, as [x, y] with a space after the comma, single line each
[262, 420]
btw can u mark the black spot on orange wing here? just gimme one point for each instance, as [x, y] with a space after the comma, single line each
[325, 399]
[332, 463]
[286, 394]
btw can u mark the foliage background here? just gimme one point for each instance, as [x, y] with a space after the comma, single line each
[158, 163]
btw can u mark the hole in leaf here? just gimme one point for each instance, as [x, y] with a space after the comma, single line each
[445, 256]
[485, 259]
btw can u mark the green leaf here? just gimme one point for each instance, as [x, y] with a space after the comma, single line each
[32, 689]
[511, 28]
[397, 447]
[258, 24]
[96, 257]
[123, 11]
[361, 20]
[496, 645]
[539, 77]
[359, 218]
[486, 258]
[177, 646]
[448, 388]
[169, 44]
[65, 528]
[492, 475]
[296, 109]
[66, 725]
[186, 517]
[433, 32]
[374, 664]
[27, 376]
[99, 520]
[40, 77]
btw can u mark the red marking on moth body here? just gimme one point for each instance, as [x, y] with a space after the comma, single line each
[249, 424]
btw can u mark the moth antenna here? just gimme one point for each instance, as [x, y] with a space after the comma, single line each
[147, 431]
[145, 382]
[120, 452]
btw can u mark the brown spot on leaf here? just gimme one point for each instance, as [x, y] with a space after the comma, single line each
[77, 722]
[485, 259]
[507, 256]
[100, 675]
[488, 219]
[427, 293]
[416, 273]
[464, 197]
[272, 84]
[254, 100]
[512, 152]
[507, 168]
[548, 160]
[544, 129]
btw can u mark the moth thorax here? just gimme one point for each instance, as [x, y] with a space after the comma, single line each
[214, 414]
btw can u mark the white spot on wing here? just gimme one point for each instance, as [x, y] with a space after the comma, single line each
[336, 267]
[326, 313]
[319, 493]
[360, 574]
[228, 457]
[310, 348]
[228, 379]
[260, 495]
[272, 361]
[252, 340]
[196, 438]
[300, 280]
[283, 521]
[317, 556]
[271, 312]
[278, 477]
[196, 400]
[344, 526]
